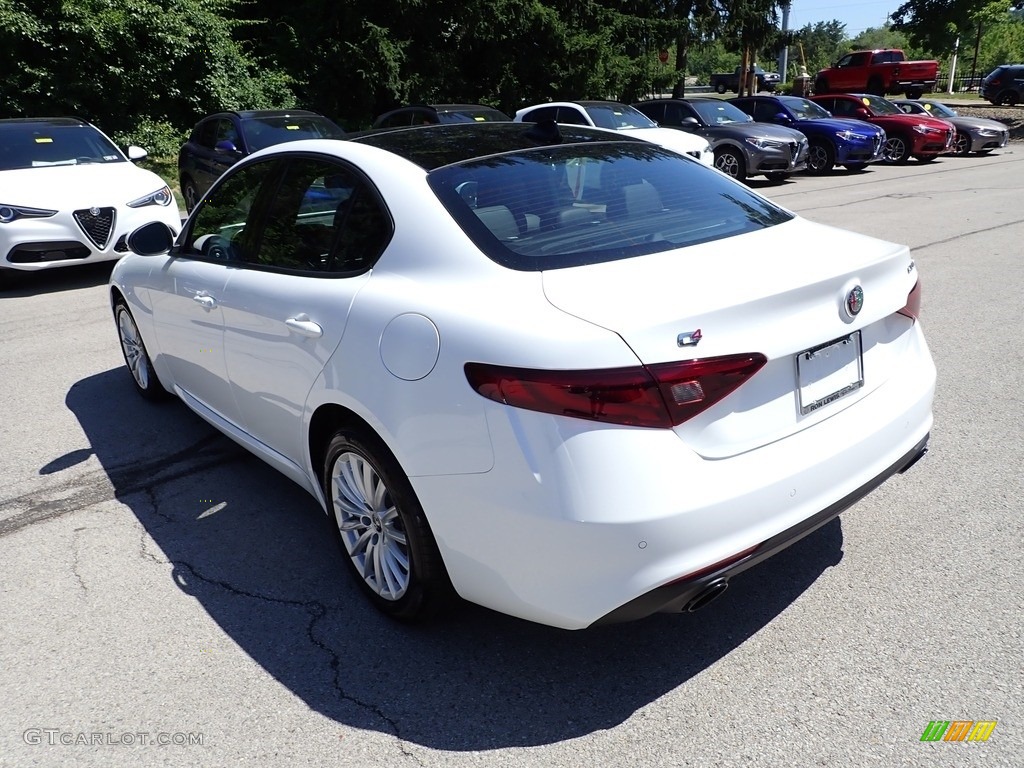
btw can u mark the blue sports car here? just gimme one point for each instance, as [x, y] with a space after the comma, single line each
[832, 141]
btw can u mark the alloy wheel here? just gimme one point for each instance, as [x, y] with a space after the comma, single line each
[370, 525]
[134, 351]
[895, 150]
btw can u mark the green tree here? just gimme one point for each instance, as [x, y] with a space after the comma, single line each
[130, 64]
[820, 45]
[750, 27]
[936, 24]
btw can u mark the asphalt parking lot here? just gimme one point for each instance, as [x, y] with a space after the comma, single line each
[165, 599]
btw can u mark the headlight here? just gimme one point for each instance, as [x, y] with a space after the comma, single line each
[847, 135]
[9, 213]
[162, 196]
[763, 143]
[926, 129]
[988, 132]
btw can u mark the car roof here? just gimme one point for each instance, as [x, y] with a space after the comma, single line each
[248, 114]
[594, 103]
[435, 146]
[457, 107]
[43, 121]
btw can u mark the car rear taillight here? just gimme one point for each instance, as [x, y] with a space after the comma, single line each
[662, 395]
[912, 309]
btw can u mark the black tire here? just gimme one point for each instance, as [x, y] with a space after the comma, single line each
[961, 144]
[821, 157]
[730, 162]
[189, 192]
[382, 529]
[856, 167]
[720, 88]
[136, 358]
[1010, 98]
[914, 93]
[876, 88]
[896, 150]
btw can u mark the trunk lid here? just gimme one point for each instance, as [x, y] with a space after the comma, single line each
[777, 291]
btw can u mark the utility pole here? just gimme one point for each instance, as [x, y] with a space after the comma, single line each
[784, 53]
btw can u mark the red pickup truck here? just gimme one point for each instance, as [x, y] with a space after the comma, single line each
[878, 72]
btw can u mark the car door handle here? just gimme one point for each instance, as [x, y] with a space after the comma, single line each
[303, 326]
[206, 300]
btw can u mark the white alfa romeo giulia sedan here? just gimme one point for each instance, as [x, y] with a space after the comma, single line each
[69, 196]
[563, 373]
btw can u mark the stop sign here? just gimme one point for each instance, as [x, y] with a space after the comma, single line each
[663, 57]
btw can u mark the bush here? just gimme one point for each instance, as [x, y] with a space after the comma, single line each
[156, 137]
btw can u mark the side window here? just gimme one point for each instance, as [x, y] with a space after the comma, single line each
[401, 119]
[226, 132]
[845, 61]
[764, 111]
[659, 113]
[858, 59]
[322, 218]
[827, 104]
[206, 134]
[673, 115]
[841, 107]
[571, 116]
[540, 115]
[222, 229]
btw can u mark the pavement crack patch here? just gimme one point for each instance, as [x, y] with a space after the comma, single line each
[969, 233]
[94, 487]
[317, 611]
[75, 558]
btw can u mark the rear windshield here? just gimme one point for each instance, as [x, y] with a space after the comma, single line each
[37, 145]
[263, 132]
[565, 206]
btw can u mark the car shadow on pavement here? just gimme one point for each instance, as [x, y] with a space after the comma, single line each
[15, 283]
[256, 552]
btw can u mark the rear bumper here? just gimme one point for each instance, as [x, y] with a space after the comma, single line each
[577, 524]
[683, 595]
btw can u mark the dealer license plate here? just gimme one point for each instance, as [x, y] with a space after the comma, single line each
[829, 372]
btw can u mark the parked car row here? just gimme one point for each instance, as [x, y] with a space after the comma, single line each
[850, 130]
[58, 214]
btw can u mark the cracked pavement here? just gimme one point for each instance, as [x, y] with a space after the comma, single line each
[157, 580]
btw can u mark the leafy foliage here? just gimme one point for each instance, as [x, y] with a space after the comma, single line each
[116, 61]
[145, 70]
[936, 24]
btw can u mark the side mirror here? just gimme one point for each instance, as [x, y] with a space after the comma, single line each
[782, 119]
[137, 153]
[151, 239]
[689, 124]
[861, 113]
[225, 146]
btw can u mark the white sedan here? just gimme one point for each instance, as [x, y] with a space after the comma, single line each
[613, 116]
[69, 196]
[562, 373]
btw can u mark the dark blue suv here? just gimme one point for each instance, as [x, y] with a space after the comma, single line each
[221, 140]
[831, 141]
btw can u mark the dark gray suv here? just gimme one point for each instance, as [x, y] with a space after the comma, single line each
[1004, 85]
[742, 147]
